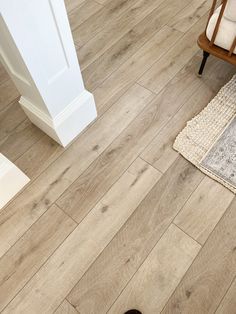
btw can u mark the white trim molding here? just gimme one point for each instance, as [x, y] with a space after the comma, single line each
[12, 180]
[66, 125]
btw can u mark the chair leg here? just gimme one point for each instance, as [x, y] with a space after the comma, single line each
[205, 56]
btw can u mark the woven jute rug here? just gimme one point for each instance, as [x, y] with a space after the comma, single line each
[209, 140]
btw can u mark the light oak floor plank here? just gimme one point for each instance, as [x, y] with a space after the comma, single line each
[211, 273]
[25, 258]
[95, 47]
[228, 304]
[100, 69]
[159, 275]
[125, 253]
[81, 13]
[20, 140]
[85, 242]
[120, 80]
[204, 209]
[10, 118]
[43, 153]
[49, 150]
[8, 93]
[174, 60]
[187, 17]
[99, 20]
[72, 4]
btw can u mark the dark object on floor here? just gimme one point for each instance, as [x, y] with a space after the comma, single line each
[205, 56]
[133, 312]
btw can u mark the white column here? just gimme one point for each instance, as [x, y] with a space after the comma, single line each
[37, 50]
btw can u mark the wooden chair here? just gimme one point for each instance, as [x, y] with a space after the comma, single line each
[209, 47]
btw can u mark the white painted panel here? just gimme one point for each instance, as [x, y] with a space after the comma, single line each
[12, 180]
[37, 50]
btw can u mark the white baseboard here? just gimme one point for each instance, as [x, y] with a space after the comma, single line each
[67, 124]
[12, 180]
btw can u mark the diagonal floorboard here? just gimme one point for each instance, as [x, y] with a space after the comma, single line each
[118, 219]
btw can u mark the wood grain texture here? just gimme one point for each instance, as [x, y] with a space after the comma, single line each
[85, 243]
[163, 70]
[126, 252]
[25, 258]
[228, 304]
[187, 17]
[94, 24]
[43, 152]
[95, 47]
[20, 140]
[72, 4]
[159, 275]
[10, 118]
[8, 93]
[120, 80]
[204, 209]
[100, 69]
[82, 12]
[211, 273]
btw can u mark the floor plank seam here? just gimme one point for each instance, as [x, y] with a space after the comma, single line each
[104, 7]
[107, 244]
[197, 256]
[221, 300]
[171, 78]
[187, 234]
[130, 57]
[10, 103]
[172, 221]
[145, 42]
[172, 47]
[151, 165]
[42, 264]
[120, 38]
[62, 303]
[54, 203]
[169, 121]
[164, 125]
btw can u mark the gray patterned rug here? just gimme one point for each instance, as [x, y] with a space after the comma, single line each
[221, 158]
[209, 140]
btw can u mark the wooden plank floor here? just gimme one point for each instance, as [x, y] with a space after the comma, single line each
[119, 220]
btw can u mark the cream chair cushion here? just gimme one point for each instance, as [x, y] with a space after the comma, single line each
[227, 29]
